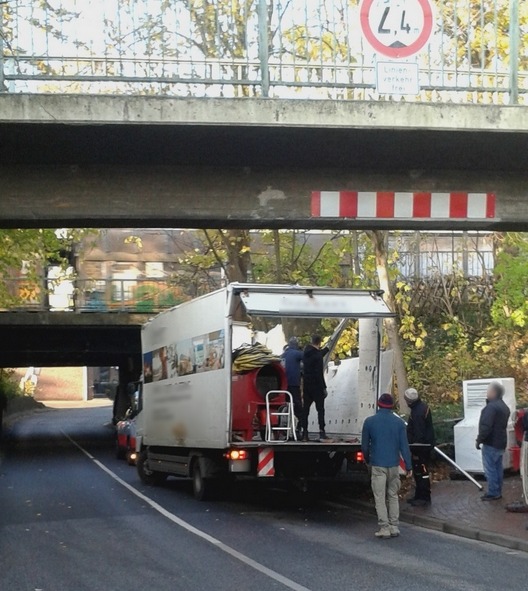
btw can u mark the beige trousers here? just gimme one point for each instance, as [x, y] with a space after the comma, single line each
[385, 486]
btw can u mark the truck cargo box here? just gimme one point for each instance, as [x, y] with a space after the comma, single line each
[200, 413]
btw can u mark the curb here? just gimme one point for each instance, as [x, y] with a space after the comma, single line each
[448, 527]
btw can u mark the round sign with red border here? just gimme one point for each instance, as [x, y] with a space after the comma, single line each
[397, 28]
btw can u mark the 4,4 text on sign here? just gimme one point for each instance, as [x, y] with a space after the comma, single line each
[397, 28]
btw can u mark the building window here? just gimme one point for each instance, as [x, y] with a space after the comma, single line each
[154, 270]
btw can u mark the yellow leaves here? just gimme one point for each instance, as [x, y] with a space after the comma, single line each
[312, 45]
[134, 240]
[518, 317]
[403, 286]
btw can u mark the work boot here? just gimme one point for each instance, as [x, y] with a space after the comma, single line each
[384, 533]
[323, 435]
[394, 531]
[490, 497]
[420, 502]
[305, 436]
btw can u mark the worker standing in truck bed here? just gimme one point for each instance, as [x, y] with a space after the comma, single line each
[293, 357]
[314, 385]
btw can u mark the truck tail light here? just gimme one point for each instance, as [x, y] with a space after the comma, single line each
[237, 454]
[360, 457]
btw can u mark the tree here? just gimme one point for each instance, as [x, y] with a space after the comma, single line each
[24, 254]
[379, 241]
[510, 307]
[40, 19]
[168, 44]
[288, 257]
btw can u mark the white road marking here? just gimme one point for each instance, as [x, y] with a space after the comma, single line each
[194, 530]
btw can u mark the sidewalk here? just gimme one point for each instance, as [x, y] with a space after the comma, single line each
[94, 403]
[456, 508]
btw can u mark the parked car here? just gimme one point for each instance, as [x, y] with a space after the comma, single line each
[126, 437]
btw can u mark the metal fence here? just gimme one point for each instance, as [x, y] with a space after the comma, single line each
[431, 263]
[143, 296]
[279, 48]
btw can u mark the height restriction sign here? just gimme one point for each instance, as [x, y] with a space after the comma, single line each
[397, 28]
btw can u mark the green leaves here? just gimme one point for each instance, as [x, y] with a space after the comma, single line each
[510, 306]
[24, 253]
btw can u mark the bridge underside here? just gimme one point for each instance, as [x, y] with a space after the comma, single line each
[62, 339]
[175, 170]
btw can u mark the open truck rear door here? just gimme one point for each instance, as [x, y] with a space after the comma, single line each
[306, 302]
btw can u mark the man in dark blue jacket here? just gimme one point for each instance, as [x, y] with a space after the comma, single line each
[314, 386]
[383, 442]
[493, 437]
[293, 357]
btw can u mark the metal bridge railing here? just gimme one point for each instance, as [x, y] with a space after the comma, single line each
[277, 48]
[143, 296]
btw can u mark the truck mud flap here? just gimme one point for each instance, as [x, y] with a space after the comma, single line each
[266, 462]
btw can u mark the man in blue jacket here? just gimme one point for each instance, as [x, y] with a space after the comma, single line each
[292, 357]
[383, 442]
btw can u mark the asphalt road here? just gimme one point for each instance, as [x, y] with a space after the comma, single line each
[66, 524]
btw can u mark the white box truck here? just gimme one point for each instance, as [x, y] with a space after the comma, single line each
[202, 418]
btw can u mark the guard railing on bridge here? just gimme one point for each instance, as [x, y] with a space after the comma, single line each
[278, 48]
[92, 295]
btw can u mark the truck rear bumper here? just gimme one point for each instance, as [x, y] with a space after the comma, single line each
[299, 446]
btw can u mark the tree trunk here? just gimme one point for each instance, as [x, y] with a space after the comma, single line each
[392, 326]
[278, 262]
[237, 245]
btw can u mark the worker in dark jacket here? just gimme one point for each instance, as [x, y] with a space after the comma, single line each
[314, 386]
[292, 357]
[493, 437]
[420, 431]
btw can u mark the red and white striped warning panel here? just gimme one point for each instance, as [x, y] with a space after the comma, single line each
[266, 463]
[388, 205]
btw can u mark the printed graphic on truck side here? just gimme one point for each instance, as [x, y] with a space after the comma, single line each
[197, 355]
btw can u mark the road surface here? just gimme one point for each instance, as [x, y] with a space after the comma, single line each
[70, 522]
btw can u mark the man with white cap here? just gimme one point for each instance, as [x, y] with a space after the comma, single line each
[420, 431]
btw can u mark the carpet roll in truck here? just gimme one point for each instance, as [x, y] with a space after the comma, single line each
[215, 408]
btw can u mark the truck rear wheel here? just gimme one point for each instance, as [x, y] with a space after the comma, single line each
[203, 488]
[146, 475]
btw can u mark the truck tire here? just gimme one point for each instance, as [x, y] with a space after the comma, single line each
[146, 475]
[203, 488]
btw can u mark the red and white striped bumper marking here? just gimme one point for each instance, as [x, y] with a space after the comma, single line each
[389, 205]
[266, 463]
